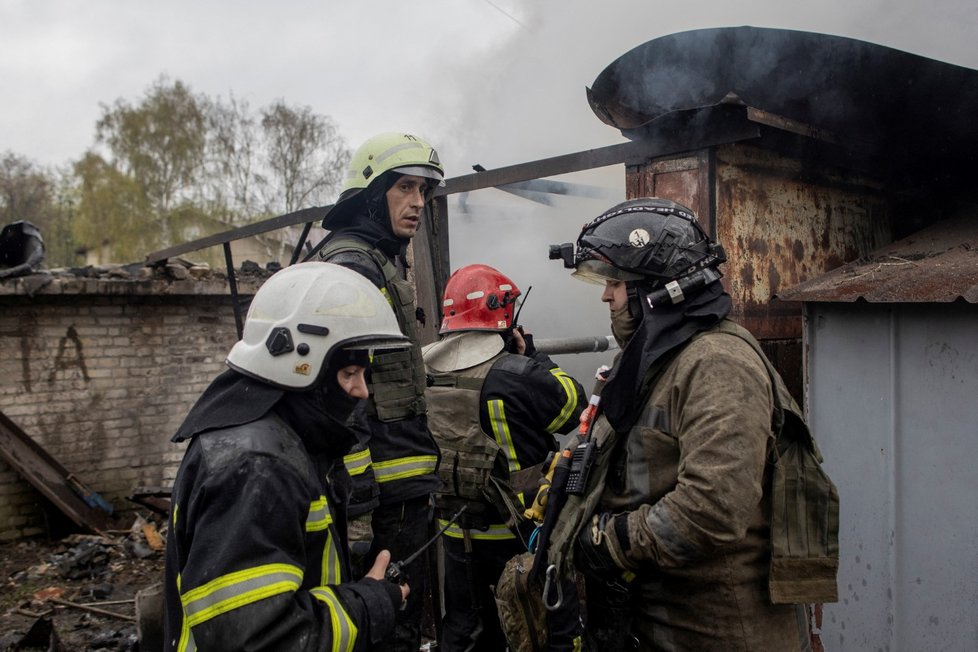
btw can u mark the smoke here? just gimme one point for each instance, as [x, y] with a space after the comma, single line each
[525, 100]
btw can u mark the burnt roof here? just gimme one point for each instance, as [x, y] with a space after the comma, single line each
[911, 111]
[936, 264]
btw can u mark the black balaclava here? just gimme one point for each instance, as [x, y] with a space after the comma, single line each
[660, 331]
[319, 415]
[370, 218]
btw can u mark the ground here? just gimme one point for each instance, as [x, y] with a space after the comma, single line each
[92, 572]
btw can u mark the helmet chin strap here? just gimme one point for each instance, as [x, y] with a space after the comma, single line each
[634, 300]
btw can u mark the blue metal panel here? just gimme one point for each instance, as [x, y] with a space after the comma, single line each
[891, 394]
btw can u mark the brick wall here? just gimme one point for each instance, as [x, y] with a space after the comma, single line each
[100, 373]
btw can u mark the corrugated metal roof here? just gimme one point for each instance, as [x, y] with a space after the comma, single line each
[937, 264]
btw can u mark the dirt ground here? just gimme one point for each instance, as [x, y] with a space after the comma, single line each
[53, 591]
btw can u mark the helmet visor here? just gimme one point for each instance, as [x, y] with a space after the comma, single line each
[371, 342]
[422, 171]
[598, 272]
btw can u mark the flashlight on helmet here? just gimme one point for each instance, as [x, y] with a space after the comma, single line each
[563, 252]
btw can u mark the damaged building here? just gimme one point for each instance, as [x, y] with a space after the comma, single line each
[801, 153]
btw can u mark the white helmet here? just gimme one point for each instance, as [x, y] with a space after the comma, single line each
[302, 314]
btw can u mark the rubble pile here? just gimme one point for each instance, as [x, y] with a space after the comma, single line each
[83, 592]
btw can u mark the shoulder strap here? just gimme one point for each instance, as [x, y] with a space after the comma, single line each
[513, 363]
[342, 244]
[783, 403]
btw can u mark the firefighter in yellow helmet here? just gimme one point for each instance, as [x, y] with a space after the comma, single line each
[380, 208]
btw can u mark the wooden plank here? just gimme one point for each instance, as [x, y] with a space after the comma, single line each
[47, 475]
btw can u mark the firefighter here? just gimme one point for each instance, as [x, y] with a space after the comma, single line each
[673, 530]
[256, 556]
[379, 210]
[495, 404]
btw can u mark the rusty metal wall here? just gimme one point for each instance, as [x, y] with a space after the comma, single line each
[781, 219]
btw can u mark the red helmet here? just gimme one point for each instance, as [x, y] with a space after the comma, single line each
[478, 298]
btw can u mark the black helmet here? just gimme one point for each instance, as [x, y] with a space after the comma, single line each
[647, 239]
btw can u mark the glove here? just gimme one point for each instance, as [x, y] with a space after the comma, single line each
[601, 546]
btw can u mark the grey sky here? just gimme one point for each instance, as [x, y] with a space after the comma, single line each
[492, 82]
[495, 82]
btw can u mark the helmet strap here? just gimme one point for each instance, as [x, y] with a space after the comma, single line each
[634, 299]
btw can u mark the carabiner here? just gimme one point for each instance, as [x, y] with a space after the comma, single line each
[548, 583]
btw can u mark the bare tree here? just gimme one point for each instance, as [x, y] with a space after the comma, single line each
[237, 185]
[305, 155]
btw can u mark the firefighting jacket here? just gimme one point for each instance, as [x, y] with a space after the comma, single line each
[256, 552]
[692, 479]
[401, 453]
[494, 417]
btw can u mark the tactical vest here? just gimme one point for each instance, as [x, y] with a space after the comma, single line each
[397, 378]
[473, 468]
[805, 502]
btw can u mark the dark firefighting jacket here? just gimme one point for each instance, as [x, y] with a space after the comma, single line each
[401, 454]
[256, 552]
[516, 403]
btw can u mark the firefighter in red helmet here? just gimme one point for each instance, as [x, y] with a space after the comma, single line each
[495, 404]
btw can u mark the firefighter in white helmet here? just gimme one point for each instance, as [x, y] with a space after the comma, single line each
[495, 405]
[256, 556]
[380, 209]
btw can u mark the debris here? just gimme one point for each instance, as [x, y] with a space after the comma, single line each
[177, 271]
[89, 558]
[41, 635]
[31, 614]
[48, 593]
[138, 549]
[153, 537]
[94, 610]
[78, 629]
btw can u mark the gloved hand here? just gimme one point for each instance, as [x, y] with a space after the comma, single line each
[601, 546]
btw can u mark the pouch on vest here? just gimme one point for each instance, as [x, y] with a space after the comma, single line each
[397, 378]
[472, 466]
[804, 502]
[522, 615]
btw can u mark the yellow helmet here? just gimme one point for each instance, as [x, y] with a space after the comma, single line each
[387, 152]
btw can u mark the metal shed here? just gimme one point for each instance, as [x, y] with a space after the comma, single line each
[799, 151]
[892, 376]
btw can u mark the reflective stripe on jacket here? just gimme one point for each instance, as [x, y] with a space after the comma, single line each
[512, 403]
[405, 457]
[256, 557]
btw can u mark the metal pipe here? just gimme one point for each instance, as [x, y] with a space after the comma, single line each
[593, 344]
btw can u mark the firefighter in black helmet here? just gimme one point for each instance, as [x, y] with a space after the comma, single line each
[672, 530]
